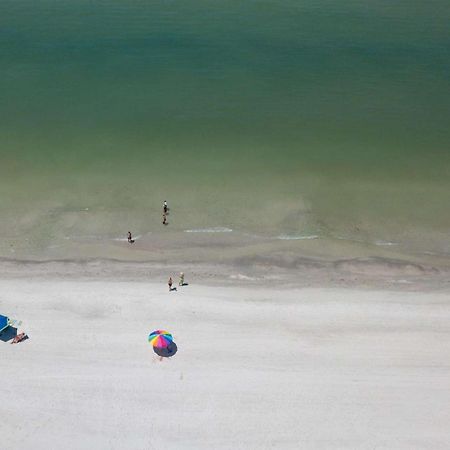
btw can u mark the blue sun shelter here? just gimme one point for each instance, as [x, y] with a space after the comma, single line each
[4, 323]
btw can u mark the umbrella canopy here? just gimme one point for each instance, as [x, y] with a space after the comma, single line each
[157, 333]
[160, 338]
[161, 341]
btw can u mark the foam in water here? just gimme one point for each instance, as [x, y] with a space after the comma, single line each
[125, 239]
[100, 238]
[385, 243]
[210, 230]
[287, 237]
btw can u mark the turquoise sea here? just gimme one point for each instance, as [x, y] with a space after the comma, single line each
[313, 121]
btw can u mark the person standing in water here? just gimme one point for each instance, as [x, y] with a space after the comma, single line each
[165, 207]
[165, 219]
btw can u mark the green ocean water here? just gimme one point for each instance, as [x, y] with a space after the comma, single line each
[274, 118]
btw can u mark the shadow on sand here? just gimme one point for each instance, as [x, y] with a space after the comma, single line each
[8, 334]
[166, 352]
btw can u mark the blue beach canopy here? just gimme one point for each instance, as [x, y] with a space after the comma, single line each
[4, 322]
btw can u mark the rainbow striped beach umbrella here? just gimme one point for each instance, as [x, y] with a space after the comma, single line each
[160, 338]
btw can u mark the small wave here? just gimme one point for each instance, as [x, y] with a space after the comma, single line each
[241, 276]
[210, 230]
[444, 253]
[98, 238]
[385, 243]
[125, 239]
[287, 237]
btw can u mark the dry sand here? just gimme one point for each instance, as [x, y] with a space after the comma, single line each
[256, 367]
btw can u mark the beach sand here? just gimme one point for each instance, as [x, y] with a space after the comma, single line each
[257, 367]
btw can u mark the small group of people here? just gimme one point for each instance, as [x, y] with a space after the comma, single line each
[164, 221]
[180, 283]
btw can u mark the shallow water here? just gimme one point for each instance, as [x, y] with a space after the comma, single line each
[290, 119]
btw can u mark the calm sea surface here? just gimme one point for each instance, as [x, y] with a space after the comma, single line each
[281, 119]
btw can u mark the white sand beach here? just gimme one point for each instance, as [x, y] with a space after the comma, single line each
[256, 367]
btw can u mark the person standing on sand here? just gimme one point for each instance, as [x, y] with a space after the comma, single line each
[164, 219]
[130, 239]
[170, 284]
[165, 207]
[181, 283]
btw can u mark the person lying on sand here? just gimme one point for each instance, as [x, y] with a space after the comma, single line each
[19, 338]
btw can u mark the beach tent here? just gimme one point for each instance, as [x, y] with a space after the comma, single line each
[4, 323]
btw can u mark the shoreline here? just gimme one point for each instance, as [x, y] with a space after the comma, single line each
[234, 249]
[362, 273]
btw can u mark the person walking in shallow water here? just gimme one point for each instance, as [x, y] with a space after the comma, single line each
[130, 239]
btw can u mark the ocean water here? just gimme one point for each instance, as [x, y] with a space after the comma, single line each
[280, 120]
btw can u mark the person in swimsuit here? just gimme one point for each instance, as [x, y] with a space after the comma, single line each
[164, 219]
[165, 207]
[130, 239]
[170, 284]
[19, 338]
